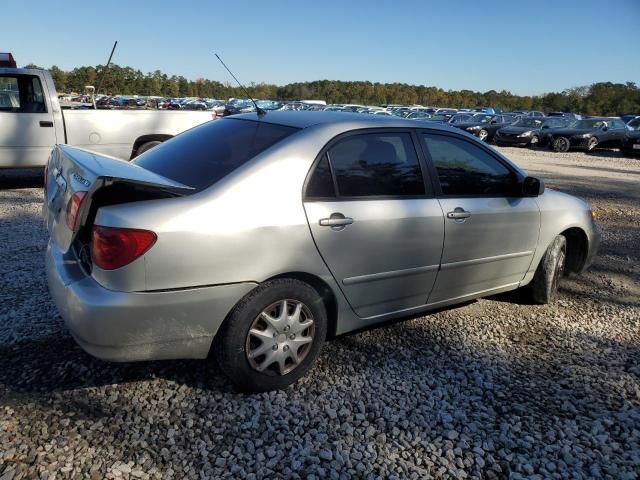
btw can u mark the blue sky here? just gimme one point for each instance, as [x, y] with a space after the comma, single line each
[527, 47]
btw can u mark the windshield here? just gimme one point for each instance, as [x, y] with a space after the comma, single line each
[481, 118]
[634, 124]
[528, 122]
[588, 123]
[207, 153]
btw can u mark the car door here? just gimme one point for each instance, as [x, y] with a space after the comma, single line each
[27, 134]
[491, 232]
[375, 220]
[617, 131]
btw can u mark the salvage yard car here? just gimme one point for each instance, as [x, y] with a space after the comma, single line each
[588, 134]
[527, 130]
[256, 237]
[33, 122]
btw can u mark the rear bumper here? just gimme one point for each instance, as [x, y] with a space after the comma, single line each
[132, 326]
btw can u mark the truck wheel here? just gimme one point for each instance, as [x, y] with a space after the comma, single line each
[272, 336]
[561, 144]
[544, 285]
[147, 146]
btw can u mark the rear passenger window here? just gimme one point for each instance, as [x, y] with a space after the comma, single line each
[467, 170]
[383, 164]
[321, 182]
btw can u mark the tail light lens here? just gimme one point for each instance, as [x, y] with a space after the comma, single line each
[113, 248]
[73, 208]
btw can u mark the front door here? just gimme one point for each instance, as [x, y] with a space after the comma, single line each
[27, 133]
[491, 232]
[375, 222]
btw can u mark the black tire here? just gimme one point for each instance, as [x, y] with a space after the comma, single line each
[483, 135]
[544, 286]
[561, 144]
[230, 344]
[592, 144]
[147, 146]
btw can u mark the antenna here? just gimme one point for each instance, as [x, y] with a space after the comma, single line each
[104, 70]
[259, 110]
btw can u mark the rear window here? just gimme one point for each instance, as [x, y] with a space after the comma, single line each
[205, 154]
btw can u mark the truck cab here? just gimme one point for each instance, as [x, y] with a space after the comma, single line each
[30, 115]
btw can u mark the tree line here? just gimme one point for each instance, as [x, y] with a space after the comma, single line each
[603, 98]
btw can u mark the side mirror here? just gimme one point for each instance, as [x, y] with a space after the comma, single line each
[532, 187]
[605, 128]
[545, 126]
[493, 122]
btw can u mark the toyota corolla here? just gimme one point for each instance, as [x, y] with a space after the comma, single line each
[256, 237]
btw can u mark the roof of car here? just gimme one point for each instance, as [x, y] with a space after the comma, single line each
[307, 119]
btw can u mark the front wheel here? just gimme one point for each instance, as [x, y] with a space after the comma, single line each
[273, 336]
[561, 144]
[544, 286]
[535, 140]
[483, 134]
[147, 146]
[592, 144]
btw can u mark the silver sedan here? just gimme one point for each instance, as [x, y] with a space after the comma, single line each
[254, 238]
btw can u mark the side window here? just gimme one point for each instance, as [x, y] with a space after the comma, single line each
[320, 184]
[9, 94]
[465, 169]
[616, 124]
[21, 94]
[376, 164]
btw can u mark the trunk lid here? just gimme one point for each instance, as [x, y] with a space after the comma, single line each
[71, 170]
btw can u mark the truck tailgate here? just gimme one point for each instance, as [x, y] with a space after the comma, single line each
[72, 171]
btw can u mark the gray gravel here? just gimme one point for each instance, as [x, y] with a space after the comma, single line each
[493, 389]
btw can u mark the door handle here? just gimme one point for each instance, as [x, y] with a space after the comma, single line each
[336, 221]
[46, 123]
[458, 214]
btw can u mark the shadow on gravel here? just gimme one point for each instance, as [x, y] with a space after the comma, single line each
[21, 178]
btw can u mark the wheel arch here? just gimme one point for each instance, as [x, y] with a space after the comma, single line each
[325, 292]
[159, 137]
[577, 249]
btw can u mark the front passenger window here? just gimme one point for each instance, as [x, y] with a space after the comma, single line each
[467, 170]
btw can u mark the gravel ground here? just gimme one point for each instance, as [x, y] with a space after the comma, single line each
[493, 389]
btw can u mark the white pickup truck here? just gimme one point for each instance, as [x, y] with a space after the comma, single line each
[32, 122]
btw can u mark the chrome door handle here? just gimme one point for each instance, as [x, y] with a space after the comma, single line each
[458, 214]
[336, 221]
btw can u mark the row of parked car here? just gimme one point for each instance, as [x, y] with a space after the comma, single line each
[559, 131]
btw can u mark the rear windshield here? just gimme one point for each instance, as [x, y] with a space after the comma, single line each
[205, 154]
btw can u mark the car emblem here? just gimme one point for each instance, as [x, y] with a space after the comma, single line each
[81, 180]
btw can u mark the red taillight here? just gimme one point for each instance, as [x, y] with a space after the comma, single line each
[113, 248]
[73, 207]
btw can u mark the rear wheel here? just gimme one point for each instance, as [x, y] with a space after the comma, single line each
[147, 146]
[544, 286]
[272, 336]
[561, 144]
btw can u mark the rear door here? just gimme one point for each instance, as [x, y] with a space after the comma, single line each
[375, 221]
[27, 133]
[490, 231]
